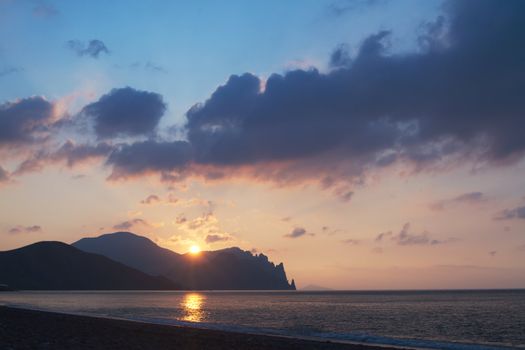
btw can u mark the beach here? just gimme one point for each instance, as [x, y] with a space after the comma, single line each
[29, 329]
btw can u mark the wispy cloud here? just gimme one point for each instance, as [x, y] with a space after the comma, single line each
[128, 224]
[25, 229]
[351, 241]
[405, 237]
[465, 198]
[9, 70]
[93, 48]
[45, 9]
[151, 199]
[298, 232]
[508, 214]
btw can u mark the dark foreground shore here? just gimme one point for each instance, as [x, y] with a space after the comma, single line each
[27, 329]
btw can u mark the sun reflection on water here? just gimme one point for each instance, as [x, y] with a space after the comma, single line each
[192, 307]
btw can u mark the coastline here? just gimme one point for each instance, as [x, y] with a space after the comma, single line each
[32, 329]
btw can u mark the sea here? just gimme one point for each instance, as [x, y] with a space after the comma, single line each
[466, 319]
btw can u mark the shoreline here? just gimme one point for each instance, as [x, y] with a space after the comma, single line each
[35, 329]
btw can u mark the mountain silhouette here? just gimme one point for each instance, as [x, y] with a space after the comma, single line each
[132, 250]
[225, 269]
[59, 266]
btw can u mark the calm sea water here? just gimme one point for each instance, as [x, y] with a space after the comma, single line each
[429, 319]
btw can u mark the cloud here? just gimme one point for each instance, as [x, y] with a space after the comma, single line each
[154, 199]
[9, 70]
[330, 231]
[181, 219]
[4, 175]
[45, 10]
[448, 102]
[405, 237]
[297, 232]
[126, 225]
[342, 7]
[125, 112]
[25, 121]
[351, 241]
[93, 48]
[70, 153]
[465, 198]
[340, 57]
[344, 194]
[25, 229]
[149, 66]
[493, 253]
[149, 156]
[381, 236]
[151, 199]
[214, 238]
[204, 227]
[515, 213]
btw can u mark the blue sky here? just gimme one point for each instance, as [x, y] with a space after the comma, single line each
[197, 44]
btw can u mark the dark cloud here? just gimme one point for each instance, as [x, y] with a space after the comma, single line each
[126, 225]
[92, 48]
[125, 112]
[152, 198]
[149, 156]
[405, 237]
[297, 232]
[340, 57]
[458, 97]
[25, 121]
[69, 153]
[25, 229]
[515, 213]
[466, 198]
[214, 238]
[493, 253]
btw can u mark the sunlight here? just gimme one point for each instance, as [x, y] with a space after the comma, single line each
[192, 305]
[194, 249]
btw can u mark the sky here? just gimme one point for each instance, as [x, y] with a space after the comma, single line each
[367, 144]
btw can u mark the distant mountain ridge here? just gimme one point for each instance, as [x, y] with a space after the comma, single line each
[315, 288]
[230, 268]
[59, 266]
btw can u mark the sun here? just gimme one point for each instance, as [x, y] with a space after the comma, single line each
[194, 249]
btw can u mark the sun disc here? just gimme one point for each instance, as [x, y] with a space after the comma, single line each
[194, 249]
